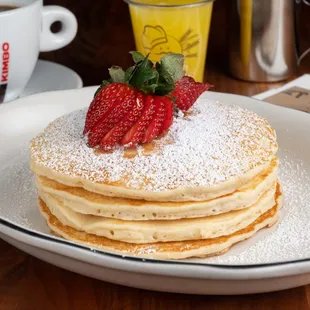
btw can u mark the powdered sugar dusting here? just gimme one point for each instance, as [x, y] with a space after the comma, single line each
[213, 144]
[18, 194]
[290, 238]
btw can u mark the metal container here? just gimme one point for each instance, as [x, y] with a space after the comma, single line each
[262, 40]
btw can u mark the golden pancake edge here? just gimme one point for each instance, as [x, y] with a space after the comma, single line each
[165, 250]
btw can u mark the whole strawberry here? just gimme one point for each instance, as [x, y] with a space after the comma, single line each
[136, 106]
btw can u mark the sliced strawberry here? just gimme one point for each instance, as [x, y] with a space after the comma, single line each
[168, 114]
[101, 103]
[157, 122]
[121, 106]
[187, 92]
[116, 134]
[122, 113]
[136, 132]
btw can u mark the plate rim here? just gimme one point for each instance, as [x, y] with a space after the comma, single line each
[155, 266]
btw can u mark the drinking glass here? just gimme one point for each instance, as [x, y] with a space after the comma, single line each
[174, 26]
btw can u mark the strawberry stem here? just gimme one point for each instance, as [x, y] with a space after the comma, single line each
[157, 79]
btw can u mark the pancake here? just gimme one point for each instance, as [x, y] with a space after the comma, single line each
[209, 153]
[164, 250]
[160, 230]
[85, 202]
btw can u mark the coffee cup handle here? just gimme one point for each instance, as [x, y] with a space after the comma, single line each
[50, 41]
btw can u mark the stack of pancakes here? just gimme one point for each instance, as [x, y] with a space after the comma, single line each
[210, 182]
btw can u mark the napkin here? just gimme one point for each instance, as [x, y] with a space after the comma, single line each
[295, 94]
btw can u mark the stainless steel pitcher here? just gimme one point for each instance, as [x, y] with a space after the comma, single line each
[263, 39]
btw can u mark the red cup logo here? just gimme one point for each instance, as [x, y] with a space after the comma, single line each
[4, 69]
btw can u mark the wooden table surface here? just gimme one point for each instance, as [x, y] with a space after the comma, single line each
[104, 38]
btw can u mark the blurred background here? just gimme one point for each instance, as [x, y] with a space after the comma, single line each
[105, 35]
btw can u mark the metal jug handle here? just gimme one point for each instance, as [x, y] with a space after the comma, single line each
[307, 51]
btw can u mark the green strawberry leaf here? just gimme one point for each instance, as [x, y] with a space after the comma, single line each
[164, 89]
[129, 73]
[171, 67]
[148, 89]
[142, 75]
[117, 74]
[155, 79]
[137, 57]
[105, 83]
[158, 69]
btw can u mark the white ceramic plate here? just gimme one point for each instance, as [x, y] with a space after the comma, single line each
[274, 259]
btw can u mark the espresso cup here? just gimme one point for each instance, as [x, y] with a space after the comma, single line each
[25, 30]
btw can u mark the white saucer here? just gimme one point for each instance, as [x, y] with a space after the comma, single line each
[48, 76]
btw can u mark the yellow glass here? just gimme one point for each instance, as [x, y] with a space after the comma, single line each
[174, 26]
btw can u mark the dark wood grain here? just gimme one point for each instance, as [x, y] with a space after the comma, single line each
[103, 39]
[27, 283]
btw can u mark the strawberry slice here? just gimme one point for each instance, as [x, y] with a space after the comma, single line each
[157, 122]
[169, 109]
[135, 134]
[101, 103]
[121, 106]
[187, 92]
[116, 134]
